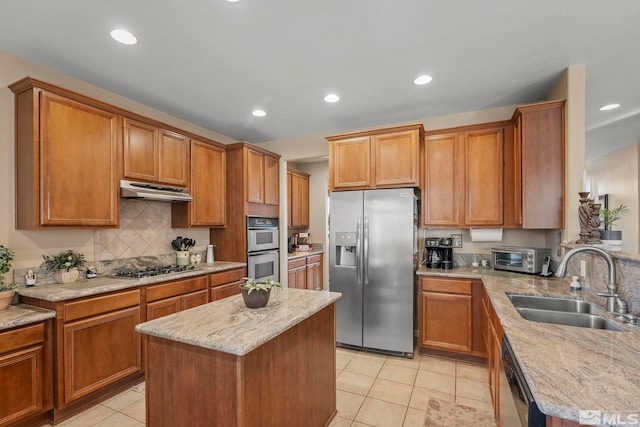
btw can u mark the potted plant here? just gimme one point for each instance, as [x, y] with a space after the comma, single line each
[7, 290]
[609, 217]
[64, 265]
[256, 294]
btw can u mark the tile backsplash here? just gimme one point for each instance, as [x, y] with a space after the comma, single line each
[145, 230]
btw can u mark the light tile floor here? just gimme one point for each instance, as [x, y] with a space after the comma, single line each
[386, 391]
[372, 390]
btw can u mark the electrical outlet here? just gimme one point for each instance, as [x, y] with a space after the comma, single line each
[583, 268]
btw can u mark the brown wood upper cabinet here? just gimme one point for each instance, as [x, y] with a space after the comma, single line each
[463, 177]
[154, 154]
[384, 158]
[208, 188]
[534, 163]
[256, 171]
[482, 177]
[66, 159]
[298, 198]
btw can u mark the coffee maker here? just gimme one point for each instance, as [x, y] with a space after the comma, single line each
[438, 253]
[446, 253]
[432, 256]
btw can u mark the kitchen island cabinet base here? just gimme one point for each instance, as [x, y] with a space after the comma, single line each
[287, 381]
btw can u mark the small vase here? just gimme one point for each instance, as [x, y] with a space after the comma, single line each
[255, 299]
[64, 276]
[5, 299]
[611, 237]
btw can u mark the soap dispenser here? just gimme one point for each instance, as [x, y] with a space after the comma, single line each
[575, 284]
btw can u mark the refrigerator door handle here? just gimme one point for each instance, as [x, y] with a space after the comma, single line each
[358, 269]
[366, 250]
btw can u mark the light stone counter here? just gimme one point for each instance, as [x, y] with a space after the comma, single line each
[22, 314]
[100, 285]
[229, 326]
[296, 255]
[568, 369]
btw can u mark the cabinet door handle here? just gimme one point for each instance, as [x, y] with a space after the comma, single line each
[366, 250]
[358, 252]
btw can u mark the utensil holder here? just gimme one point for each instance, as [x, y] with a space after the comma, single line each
[182, 258]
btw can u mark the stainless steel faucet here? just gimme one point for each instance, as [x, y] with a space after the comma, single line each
[614, 303]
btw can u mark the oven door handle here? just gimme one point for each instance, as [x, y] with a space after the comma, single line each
[268, 251]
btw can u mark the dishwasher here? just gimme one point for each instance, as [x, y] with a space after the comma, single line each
[517, 406]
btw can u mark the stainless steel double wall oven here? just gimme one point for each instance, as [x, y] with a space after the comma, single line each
[263, 248]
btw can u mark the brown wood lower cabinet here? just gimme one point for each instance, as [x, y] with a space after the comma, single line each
[314, 272]
[25, 373]
[297, 273]
[96, 349]
[226, 283]
[449, 315]
[175, 296]
[306, 273]
[492, 332]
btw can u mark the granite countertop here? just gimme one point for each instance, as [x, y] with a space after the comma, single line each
[296, 255]
[22, 314]
[568, 369]
[99, 285]
[229, 326]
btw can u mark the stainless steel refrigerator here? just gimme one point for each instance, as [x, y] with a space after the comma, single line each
[373, 254]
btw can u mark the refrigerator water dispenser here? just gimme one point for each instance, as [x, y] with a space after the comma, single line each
[346, 249]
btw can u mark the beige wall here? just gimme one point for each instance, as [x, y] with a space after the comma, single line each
[617, 175]
[572, 87]
[30, 245]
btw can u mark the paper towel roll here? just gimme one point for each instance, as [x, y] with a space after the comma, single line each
[486, 234]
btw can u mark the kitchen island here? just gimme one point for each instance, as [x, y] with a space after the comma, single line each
[226, 365]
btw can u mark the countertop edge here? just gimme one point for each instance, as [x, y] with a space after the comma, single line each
[297, 255]
[22, 314]
[62, 292]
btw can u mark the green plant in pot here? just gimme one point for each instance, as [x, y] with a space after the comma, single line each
[65, 265]
[256, 294]
[7, 290]
[609, 217]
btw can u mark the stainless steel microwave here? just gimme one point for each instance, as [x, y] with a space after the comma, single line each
[519, 259]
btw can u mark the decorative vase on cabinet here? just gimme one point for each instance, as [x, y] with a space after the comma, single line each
[66, 276]
[5, 299]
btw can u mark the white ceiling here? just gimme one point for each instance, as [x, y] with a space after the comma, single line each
[212, 62]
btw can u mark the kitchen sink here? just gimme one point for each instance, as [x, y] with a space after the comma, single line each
[551, 303]
[561, 311]
[582, 320]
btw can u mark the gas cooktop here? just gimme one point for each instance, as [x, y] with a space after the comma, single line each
[154, 271]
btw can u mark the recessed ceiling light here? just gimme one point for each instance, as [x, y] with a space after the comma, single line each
[609, 107]
[123, 36]
[422, 80]
[332, 97]
[232, 1]
[259, 113]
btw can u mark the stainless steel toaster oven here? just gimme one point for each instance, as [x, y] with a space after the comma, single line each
[519, 259]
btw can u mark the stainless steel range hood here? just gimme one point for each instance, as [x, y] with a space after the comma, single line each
[163, 193]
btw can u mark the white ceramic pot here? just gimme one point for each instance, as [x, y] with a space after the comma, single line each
[182, 258]
[5, 299]
[64, 276]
